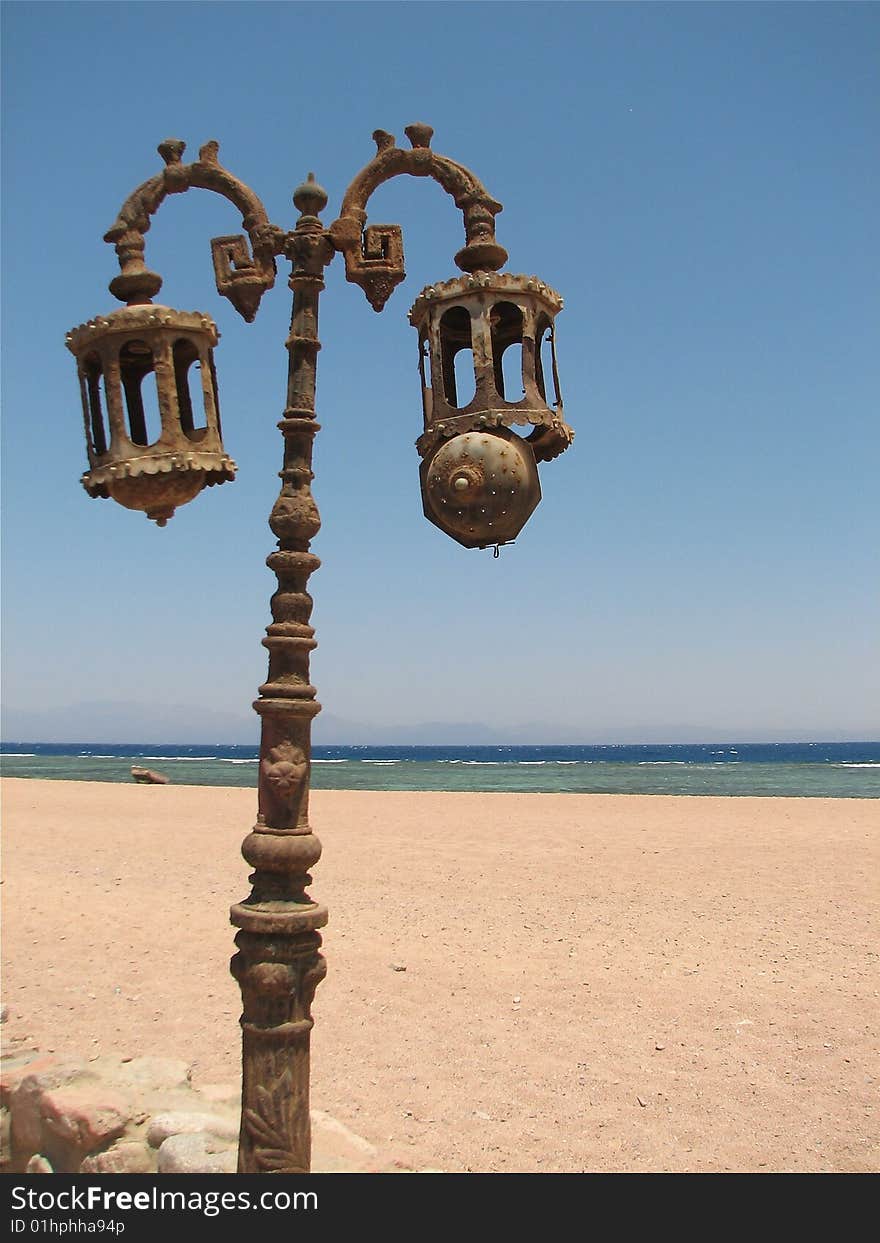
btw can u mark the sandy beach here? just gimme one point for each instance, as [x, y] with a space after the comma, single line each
[592, 982]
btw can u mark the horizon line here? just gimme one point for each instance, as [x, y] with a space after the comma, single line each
[745, 742]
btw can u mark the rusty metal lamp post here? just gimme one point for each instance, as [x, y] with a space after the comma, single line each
[479, 484]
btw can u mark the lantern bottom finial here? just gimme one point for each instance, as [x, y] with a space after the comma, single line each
[159, 493]
[157, 496]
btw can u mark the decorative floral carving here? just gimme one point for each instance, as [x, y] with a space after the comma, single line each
[285, 769]
[270, 1125]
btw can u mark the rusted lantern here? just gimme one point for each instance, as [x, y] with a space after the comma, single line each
[149, 397]
[488, 366]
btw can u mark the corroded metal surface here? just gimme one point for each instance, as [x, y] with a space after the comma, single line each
[481, 487]
[479, 294]
[278, 963]
[491, 319]
[472, 461]
[153, 469]
[240, 277]
[374, 254]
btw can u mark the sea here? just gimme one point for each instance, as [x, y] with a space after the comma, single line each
[794, 770]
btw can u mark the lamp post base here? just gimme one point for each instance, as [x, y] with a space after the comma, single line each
[278, 975]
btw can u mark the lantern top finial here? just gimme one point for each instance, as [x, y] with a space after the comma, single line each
[419, 134]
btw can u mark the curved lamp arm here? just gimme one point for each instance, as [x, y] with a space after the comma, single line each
[241, 276]
[374, 254]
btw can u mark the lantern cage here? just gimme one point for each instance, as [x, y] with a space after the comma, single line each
[488, 365]
[153, 436]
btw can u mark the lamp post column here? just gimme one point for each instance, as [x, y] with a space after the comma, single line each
[278, 965]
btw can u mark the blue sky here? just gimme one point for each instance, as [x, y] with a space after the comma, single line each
[700, 183]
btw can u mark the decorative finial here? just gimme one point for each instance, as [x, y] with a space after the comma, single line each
[382, 139]
[419, 135]
[208, 153]
[310, 198]
[171, 150]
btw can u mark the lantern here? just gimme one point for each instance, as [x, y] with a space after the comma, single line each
[488, 366]
[149, 397]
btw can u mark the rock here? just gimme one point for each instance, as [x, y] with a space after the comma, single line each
[77, 1120]
[5, 1135]
[146, 1074]
[398, 966]
[197, 1153]
[149, 776]
[337, 1150]
[334, 1133]
[18, 1067]
[126, 1157]
[38, 1165]
[221, 1092]
[4, 1013]
[165, 1125]
[25, 1100]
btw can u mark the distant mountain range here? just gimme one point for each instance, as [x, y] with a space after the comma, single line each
[103, 721]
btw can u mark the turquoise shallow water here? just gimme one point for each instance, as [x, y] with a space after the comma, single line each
[810, 770]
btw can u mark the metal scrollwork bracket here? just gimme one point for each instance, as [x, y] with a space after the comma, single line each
[380, 269]
[374, 253]
[373, 258]
[239, 277]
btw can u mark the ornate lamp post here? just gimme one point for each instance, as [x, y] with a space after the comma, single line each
[479, 484]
